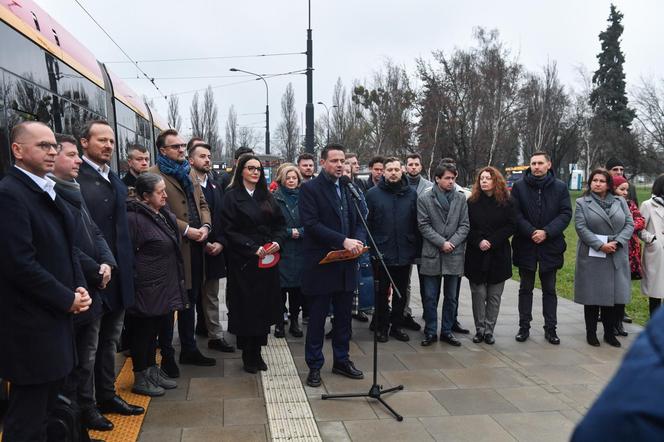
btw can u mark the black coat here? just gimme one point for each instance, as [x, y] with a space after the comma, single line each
[393, 222]
[494, 223]
[290, 266]
[540, 204]
[92, 247]
[253, 295]
[215, 266]
[107, 204]
[39, 271]
[158, 267]
[321, 217]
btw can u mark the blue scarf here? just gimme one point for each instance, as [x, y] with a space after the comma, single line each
[180, 171]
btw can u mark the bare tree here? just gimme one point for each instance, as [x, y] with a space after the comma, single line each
[210, 123]
[196, 118]
[247, 137]
[288, 130]
[174, 118]
[649, 100]
[231, 132]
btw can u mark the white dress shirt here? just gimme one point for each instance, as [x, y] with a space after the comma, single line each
[102, 170]
[45, 183]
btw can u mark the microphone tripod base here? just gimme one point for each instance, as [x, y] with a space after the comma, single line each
[375, 392]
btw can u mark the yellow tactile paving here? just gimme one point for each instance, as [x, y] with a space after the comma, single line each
[126, 428]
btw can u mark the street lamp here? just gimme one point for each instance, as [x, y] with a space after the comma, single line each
[328, 119]
[267, 108]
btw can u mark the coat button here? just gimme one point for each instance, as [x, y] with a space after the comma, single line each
[105, 200]
[184, 202]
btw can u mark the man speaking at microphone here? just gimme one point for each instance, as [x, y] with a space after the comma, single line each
[330, 223]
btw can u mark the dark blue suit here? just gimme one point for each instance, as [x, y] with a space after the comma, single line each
[321, 213]
[630, 407]
[39, 271]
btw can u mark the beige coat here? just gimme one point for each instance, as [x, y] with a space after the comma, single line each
[652, 284]
[178, 204]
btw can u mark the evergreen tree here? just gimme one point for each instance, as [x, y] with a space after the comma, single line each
[608, 98]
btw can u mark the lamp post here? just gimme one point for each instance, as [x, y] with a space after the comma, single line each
[327, 109]
[267, 107]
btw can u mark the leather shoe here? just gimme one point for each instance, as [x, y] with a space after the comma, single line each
[313, 378]
[611, 340]
[295, 329]
[522, 335]
[552, 337]
[591, 338]
[196, 358]
[169, 367]
[410, 323]
[119, 406]
[361, 316]
[347, 369]
[456, 328]
[450, 339]
[94, 420]
[489, 339]
[619, 330]
[262, 365]
[399, 334]
[626, 319]
[220, 345]
[381, 336]
[479, 337]
[279, 331]
[428, 340]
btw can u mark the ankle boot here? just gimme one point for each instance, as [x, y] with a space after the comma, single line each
[158, 378]
[260, 363]
[248, 359]
[610, 339]
[591, 338]
[294, 328]
[279, 330]
[143, 385]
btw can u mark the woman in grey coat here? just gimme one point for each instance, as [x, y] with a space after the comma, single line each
[602, 277]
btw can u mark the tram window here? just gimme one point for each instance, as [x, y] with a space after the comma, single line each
[123, 139]
[28, 99]
[74, 118]
[125, 116]
[25, 58]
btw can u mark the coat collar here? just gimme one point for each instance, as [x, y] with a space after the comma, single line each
[330, 192]
[592, 205]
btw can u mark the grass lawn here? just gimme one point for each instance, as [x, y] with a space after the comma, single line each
[637, 309]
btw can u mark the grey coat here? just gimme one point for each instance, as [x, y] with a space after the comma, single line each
[436, 230]
[602, 281]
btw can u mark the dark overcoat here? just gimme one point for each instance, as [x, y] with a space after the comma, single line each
[39, 271]
[320, 213]
[215, 266]
[253, 294]
[290, 266]
[540, 205]
[107, 204]
[392, 220]
[495, 223]
[93, 250]
[158, 266]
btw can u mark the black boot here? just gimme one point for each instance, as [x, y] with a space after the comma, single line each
[279, 331]
[249, 359]
[294, 328]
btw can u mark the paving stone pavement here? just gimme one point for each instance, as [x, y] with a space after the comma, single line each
[508, 391]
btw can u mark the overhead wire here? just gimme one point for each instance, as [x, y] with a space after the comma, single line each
[219, 57]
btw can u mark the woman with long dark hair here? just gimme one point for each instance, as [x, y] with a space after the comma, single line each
[254, 227]
[488, 253]
[652, 284]
[602, 277]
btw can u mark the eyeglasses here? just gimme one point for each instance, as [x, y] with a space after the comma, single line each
[46, 146]
[253, 169]
[176, 146]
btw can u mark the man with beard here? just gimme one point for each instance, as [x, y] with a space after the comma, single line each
[200, 159]
[305, 163]
[105, 195]
[393, 222]
[186, 201]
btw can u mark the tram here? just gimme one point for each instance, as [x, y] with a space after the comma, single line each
[47, 75]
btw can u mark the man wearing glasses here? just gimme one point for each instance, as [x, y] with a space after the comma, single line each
[186, 201]
[41, 284]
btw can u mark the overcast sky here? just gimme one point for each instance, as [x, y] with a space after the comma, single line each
[351, 40]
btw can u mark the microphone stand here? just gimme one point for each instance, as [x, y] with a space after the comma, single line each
[375, 391]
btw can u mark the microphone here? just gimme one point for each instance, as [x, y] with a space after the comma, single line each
[344, 180]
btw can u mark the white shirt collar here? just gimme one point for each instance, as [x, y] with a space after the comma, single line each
[250, 192]
[45, 183]
[102, 170]
[203, 182]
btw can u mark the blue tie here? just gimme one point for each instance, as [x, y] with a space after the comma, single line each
[336, 185]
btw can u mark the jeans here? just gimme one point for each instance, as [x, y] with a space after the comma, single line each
[549, 298]
[109, 336]
[430, 298]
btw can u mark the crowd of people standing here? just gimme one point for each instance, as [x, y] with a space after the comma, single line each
[90, 259]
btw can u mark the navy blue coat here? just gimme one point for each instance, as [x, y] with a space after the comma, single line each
[215, 266]
[39, 271]
[630, 407]
[321, 217]
[392, 221]
[290, 266]
[107, 204]
[540, 205]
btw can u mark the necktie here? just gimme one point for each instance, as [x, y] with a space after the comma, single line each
[336, 185]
